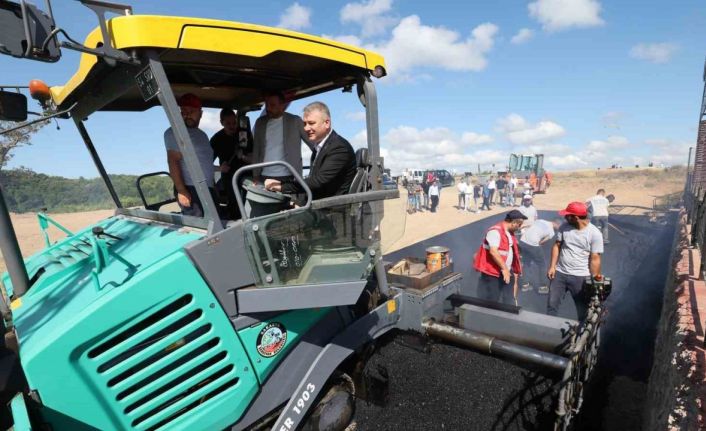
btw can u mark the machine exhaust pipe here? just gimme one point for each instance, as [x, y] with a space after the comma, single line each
[494, 346]
[11, 252]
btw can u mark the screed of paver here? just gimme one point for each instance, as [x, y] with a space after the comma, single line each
[465, 390]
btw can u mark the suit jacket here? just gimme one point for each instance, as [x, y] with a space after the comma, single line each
[332, 172]
[293, 128]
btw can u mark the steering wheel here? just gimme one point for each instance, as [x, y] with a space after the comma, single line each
[258, 193]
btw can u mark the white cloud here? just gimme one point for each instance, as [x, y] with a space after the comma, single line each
[415, 45]
[522, 36]
[519, 131]
[556, 15]
[660, 143]
[567, 162]
[371, 15]
[604, 153]
[437, 147]
[654, 52]
[210, 121]
[611, 143]
[472, 138]
[582, 159]
[355, 116]
[668, 151]
[295, 17]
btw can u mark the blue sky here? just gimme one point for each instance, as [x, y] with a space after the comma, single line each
[588, 83]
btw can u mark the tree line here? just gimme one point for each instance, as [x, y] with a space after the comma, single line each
[29, 191]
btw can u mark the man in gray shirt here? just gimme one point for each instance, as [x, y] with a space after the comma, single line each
[576, 255]
[186, 195]
[278, 136]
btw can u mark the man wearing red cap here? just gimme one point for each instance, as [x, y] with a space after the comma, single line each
[186, 195]
[576, 254]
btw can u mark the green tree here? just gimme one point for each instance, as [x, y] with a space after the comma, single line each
[17, 138]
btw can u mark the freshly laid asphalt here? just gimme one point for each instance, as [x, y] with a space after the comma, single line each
[448, 387]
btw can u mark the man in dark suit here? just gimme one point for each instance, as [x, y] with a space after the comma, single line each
[333, 164]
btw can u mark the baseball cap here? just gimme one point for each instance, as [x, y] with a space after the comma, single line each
[527, 196]
[515, 215]
[575, 208]
[191, 100]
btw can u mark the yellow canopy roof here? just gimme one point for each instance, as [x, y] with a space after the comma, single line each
[228, 64]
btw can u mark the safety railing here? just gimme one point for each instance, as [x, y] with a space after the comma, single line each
[695, 205]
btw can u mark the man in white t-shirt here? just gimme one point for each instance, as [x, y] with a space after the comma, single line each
[434, 192]
[492, 187]
[598, 207]
[576, 255]
[461, 187]
[468, 196]
[528, 209]
[513, 186]
[533, 259]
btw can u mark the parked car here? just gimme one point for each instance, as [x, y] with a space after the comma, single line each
[388, 183]
[445, 178]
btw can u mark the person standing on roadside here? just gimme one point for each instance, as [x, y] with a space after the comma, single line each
[419, 194]
[485, 191]
[411, 197]
[513, 188]
[434, 195]
[469, 195]
[500, 187]
[492, 186]
[477, 194]
[576, 254]
[498, 258]
[461, 186]
[425, 191]
[598, 207]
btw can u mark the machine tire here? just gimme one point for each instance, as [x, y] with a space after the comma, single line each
[335, 410]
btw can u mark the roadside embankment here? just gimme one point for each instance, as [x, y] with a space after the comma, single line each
[676, 398]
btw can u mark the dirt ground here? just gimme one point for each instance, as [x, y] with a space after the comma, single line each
[631, 187]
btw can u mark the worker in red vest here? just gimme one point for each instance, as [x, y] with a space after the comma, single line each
[498, 258]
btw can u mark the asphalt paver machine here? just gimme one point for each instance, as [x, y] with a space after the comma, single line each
[152, 320]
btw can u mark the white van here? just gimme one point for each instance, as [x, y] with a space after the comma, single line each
[413, 174]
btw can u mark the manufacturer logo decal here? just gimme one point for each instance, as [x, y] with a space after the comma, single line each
[271, 339]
